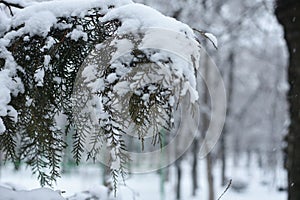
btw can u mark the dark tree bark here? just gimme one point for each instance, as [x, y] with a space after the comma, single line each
[178, 171]
[288, 14]
[0, 162]
[195, 166]
[210, 177]
[230, 89]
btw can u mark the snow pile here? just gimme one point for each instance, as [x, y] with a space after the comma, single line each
[36, 194]
[137, 16]
[38, 18]
[10, 193]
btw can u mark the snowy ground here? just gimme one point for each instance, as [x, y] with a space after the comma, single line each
[261, 185]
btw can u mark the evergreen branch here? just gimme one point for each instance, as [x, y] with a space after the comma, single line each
[78, 145]
[8, 145]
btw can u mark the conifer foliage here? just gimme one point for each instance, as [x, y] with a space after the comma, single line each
[47, 68]
[72, 64]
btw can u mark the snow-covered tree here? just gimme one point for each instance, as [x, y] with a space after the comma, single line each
[108, 68]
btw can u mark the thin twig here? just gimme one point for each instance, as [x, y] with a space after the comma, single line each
[9, 5]
[204, 35]
[228, 186]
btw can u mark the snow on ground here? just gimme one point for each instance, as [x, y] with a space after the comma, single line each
[259, 185]
[36, 194]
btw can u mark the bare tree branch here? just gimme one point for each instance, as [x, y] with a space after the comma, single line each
[203, 33]
[228, 186]
[10, 5]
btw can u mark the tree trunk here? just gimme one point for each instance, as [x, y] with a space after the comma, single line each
[249, 156]
[204, 126]
[178, 171]
[288, 14]
[259, 159]
[210, 178]
[223, 159]
[0, 162]
[195, 166]
[230, 88]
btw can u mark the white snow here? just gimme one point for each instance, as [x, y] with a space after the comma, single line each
[78, 33]
[2, 126]
[123, 46]
[111, 77]
[49, 43]
[39, 76]
[35, 194]
[96, 192]
[212, 38]
[5, 99]
[6, 85]
[39, 23]
[4, 21]
[136, 16]
[89, 73]
[47, 60]
[64, 8]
